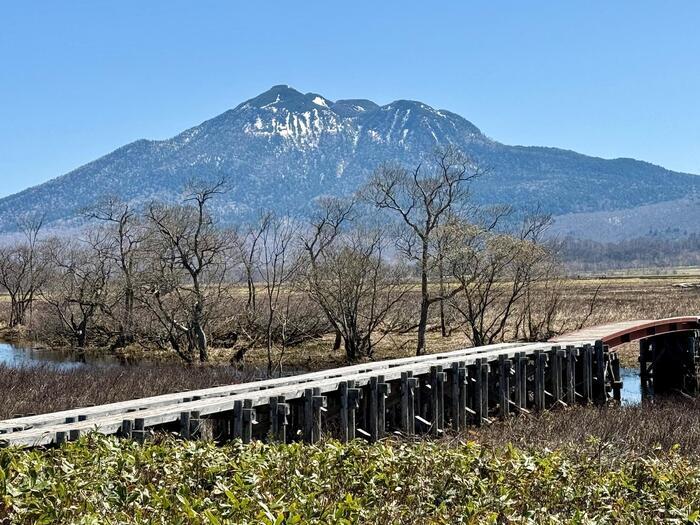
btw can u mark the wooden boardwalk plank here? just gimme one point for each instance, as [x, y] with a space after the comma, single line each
[111, 424]
[180, 397]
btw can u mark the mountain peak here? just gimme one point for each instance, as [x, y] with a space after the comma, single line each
[279, 94]
[283, 96]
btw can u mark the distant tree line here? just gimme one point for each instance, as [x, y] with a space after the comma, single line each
[641, 252]
[170, 277]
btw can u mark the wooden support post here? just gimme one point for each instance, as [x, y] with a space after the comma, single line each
[504, 365]
[238, 419]
[643, 369]
[437, 395]
[518, 365]
[127, 427]
[274, 418]
[281, 416]
[524, 359]
[462, 378]
[540, 370]
[616, 379]
[60, 437]
[383, 389]
[344, 409]
[248, 417]
[406, 400]
[319, 406]
[694, 361]
[562, 354]
[442, 379]
[373, 409]
[599, 393]
[349, 403]
[485, 373]
[195, 425]
[556, 358]
[139, 431]
[185, 425]
[571, 375]
[587, 364]
[454, 396]
[419, 398]
[413, 388]
[434, 402]
[309, 415]
[481, 391]
[74, 434]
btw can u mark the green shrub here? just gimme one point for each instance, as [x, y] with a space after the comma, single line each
[104, 480]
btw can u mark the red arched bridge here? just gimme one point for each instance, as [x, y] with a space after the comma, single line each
[423, 394]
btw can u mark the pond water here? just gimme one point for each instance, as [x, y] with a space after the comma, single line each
[631, 386]
[18, 356]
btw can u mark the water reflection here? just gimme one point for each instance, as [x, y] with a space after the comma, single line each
[631, 386]
[16, 356]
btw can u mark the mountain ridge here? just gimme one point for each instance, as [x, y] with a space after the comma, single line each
[283, 148]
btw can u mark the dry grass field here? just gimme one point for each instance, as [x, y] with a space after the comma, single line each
[37, 390]
[618, 298]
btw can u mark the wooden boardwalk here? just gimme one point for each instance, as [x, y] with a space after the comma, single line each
[614, 334]
[412, 395]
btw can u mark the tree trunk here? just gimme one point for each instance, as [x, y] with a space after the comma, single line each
[127, 328]
[201, 343]
[422, 326]
[81, 333]
[13, 313]
[269, 357]
[338, 340]
[186, 357]
[18, 308]
[443, 325]
[350, 349]
[425, 300]
[197, 335]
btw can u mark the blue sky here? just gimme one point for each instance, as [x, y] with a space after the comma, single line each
[612, 79]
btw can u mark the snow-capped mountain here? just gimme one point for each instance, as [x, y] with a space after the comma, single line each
[283, 148]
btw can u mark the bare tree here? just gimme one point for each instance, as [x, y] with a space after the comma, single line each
[357, 288]
[422, 199]
[186, 270]
[23, 270]
[543, 313]
[268, 253]
[324, 228]
[494, 271]
[246, 247]
[276, 266]
[127, 235]
[79, 287]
